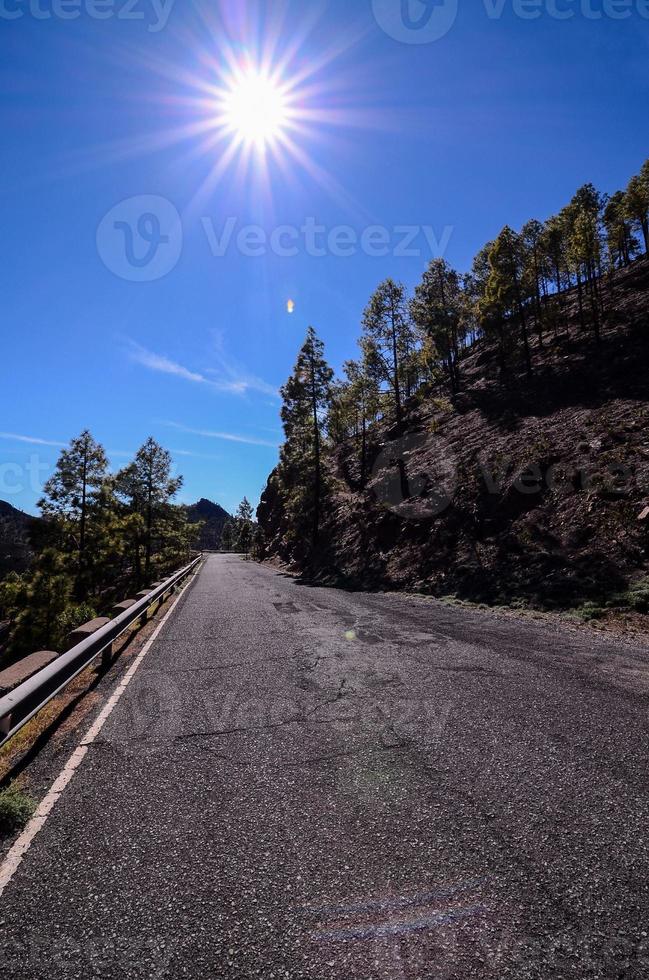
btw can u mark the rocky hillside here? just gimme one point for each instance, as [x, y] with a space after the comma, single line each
[213, 517]
[15, 545]
[515, 488]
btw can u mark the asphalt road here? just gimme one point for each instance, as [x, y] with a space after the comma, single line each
[301, 782]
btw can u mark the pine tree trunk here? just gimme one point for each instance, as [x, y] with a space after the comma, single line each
[82, 528]
[316, 445]
[149, 527]
[580, 293]
[523, 319]
[395, 363]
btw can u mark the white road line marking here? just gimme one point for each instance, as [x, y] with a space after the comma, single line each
[20, 847]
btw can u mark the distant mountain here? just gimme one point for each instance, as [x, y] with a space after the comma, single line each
[15, 545]
[214, 517]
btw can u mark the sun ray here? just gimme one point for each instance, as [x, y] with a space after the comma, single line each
[254, 96]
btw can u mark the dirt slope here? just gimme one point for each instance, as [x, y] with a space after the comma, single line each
[515, 488]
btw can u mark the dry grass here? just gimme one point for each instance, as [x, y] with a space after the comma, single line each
[79, 691]
[78, 699]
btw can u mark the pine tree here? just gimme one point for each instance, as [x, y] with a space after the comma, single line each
[474, 287]
[354, 407]
[621, 242]
[39, 604]
[244, 526]
[534, 271]
[228, 535]
[504, 296]
[584, 250]
[306, 397]
[637, 202]
[554, 245]
[148, 487]
[388, 339]
[437, 309]
[71, 498]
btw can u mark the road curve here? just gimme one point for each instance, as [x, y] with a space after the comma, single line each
[305, 783]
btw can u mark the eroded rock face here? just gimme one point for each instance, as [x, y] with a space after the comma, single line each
[515, 488]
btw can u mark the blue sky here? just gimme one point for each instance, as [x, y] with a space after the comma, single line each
[498, 120]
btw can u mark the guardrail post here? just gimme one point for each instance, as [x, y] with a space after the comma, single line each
[85, 630]
[107, 656]
[89, 641]
[149, 610]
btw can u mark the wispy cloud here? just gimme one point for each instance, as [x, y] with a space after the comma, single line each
[122, 453]
[226, 436]
[162, 364]
[226, 377]
[229, 372]
[32, 440]
[187, 452]
[55, 443]
[158, 362]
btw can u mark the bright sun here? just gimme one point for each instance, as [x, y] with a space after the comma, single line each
[255, 109]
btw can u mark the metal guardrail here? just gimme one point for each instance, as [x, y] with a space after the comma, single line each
[21, 704]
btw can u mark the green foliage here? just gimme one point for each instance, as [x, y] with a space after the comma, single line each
[504, 297]
[228, 535]
[590, 611]
[73, 616]
[244, 527]
[354, 406]
[16, 809]
[72, 502]
[388, 343]
[306, 402]
[637, 596]
[240, 532]
[439, 312]
[10, 591]
[637, 202]
[147, 488]
[621, 241]
[40, 603]
[102, 534]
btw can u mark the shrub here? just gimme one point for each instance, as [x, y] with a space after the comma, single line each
[74, 616]
[638, 596]
[16, 808]
[590, 611]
